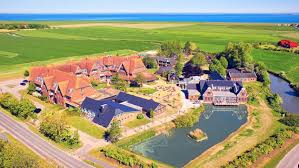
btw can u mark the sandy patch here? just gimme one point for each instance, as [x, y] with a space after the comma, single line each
[6, 31]
[126, 25]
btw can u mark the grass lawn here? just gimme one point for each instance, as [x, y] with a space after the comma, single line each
[137, 122]
[42, 163]
[86, 126]
[142, 90]
[20, 48]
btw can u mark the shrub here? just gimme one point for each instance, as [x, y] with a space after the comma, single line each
[291, 120]
[140, 116]
[26, 73]
[31, 88]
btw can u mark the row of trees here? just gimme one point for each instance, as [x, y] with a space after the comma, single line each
[175, 48]
[23, 108]
[54, 126]
[250, 156]
[13, 26]
[219, 66]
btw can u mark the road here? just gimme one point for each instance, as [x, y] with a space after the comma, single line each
[291, 160]
[37, 144]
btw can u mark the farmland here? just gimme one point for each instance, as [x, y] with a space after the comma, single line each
[21, 49]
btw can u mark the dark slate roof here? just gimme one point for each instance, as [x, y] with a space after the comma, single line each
[105, 110]
[236, 86]
[147, 105]
[235, 73]
[161, 70]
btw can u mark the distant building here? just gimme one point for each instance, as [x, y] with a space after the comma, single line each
[241, 75]
[287, 44]
[217, 92]
[61, 87]
[165, 61]
[223, 92]
[103, 68]
[183, 84]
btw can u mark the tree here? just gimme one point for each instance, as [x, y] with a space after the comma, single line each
[223, 62]
[118, 83]
[189, 47]
[26, 109]
[151, 114]
[198, 59]
[139, 79]
[149, 62]
[170, 48]
[179, 65]
[238, 54]
[31, 88]
[217, 67]
[54, 126]
[26, 73]
[114, 132]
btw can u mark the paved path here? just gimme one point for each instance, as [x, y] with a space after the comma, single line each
[291, 160]
[37, 144]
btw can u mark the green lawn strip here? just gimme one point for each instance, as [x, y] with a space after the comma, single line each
[137, 122]
[275, 160]
[126, 143]
[86, 126]
[142, 90]
[19, 145]
[92, 164]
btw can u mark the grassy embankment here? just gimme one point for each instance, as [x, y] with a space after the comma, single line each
[25, 150]
[262, 122]
[34, 47]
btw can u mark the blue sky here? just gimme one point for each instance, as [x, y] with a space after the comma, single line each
[149, 6]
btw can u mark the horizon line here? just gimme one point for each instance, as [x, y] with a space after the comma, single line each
[182, 13]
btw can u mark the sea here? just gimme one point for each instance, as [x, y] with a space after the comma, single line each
[156, 17]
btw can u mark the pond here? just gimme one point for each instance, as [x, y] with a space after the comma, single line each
[177, 149]
[288, 95]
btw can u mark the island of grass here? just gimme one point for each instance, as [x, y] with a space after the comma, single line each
[198, 135]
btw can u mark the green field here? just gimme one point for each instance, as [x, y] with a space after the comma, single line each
[20, 49]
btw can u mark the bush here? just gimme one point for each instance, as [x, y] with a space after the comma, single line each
[140, 116]
[26, 73]
[291, 120]
[126, 158]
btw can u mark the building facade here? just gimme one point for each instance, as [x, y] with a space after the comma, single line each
[241, 75]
